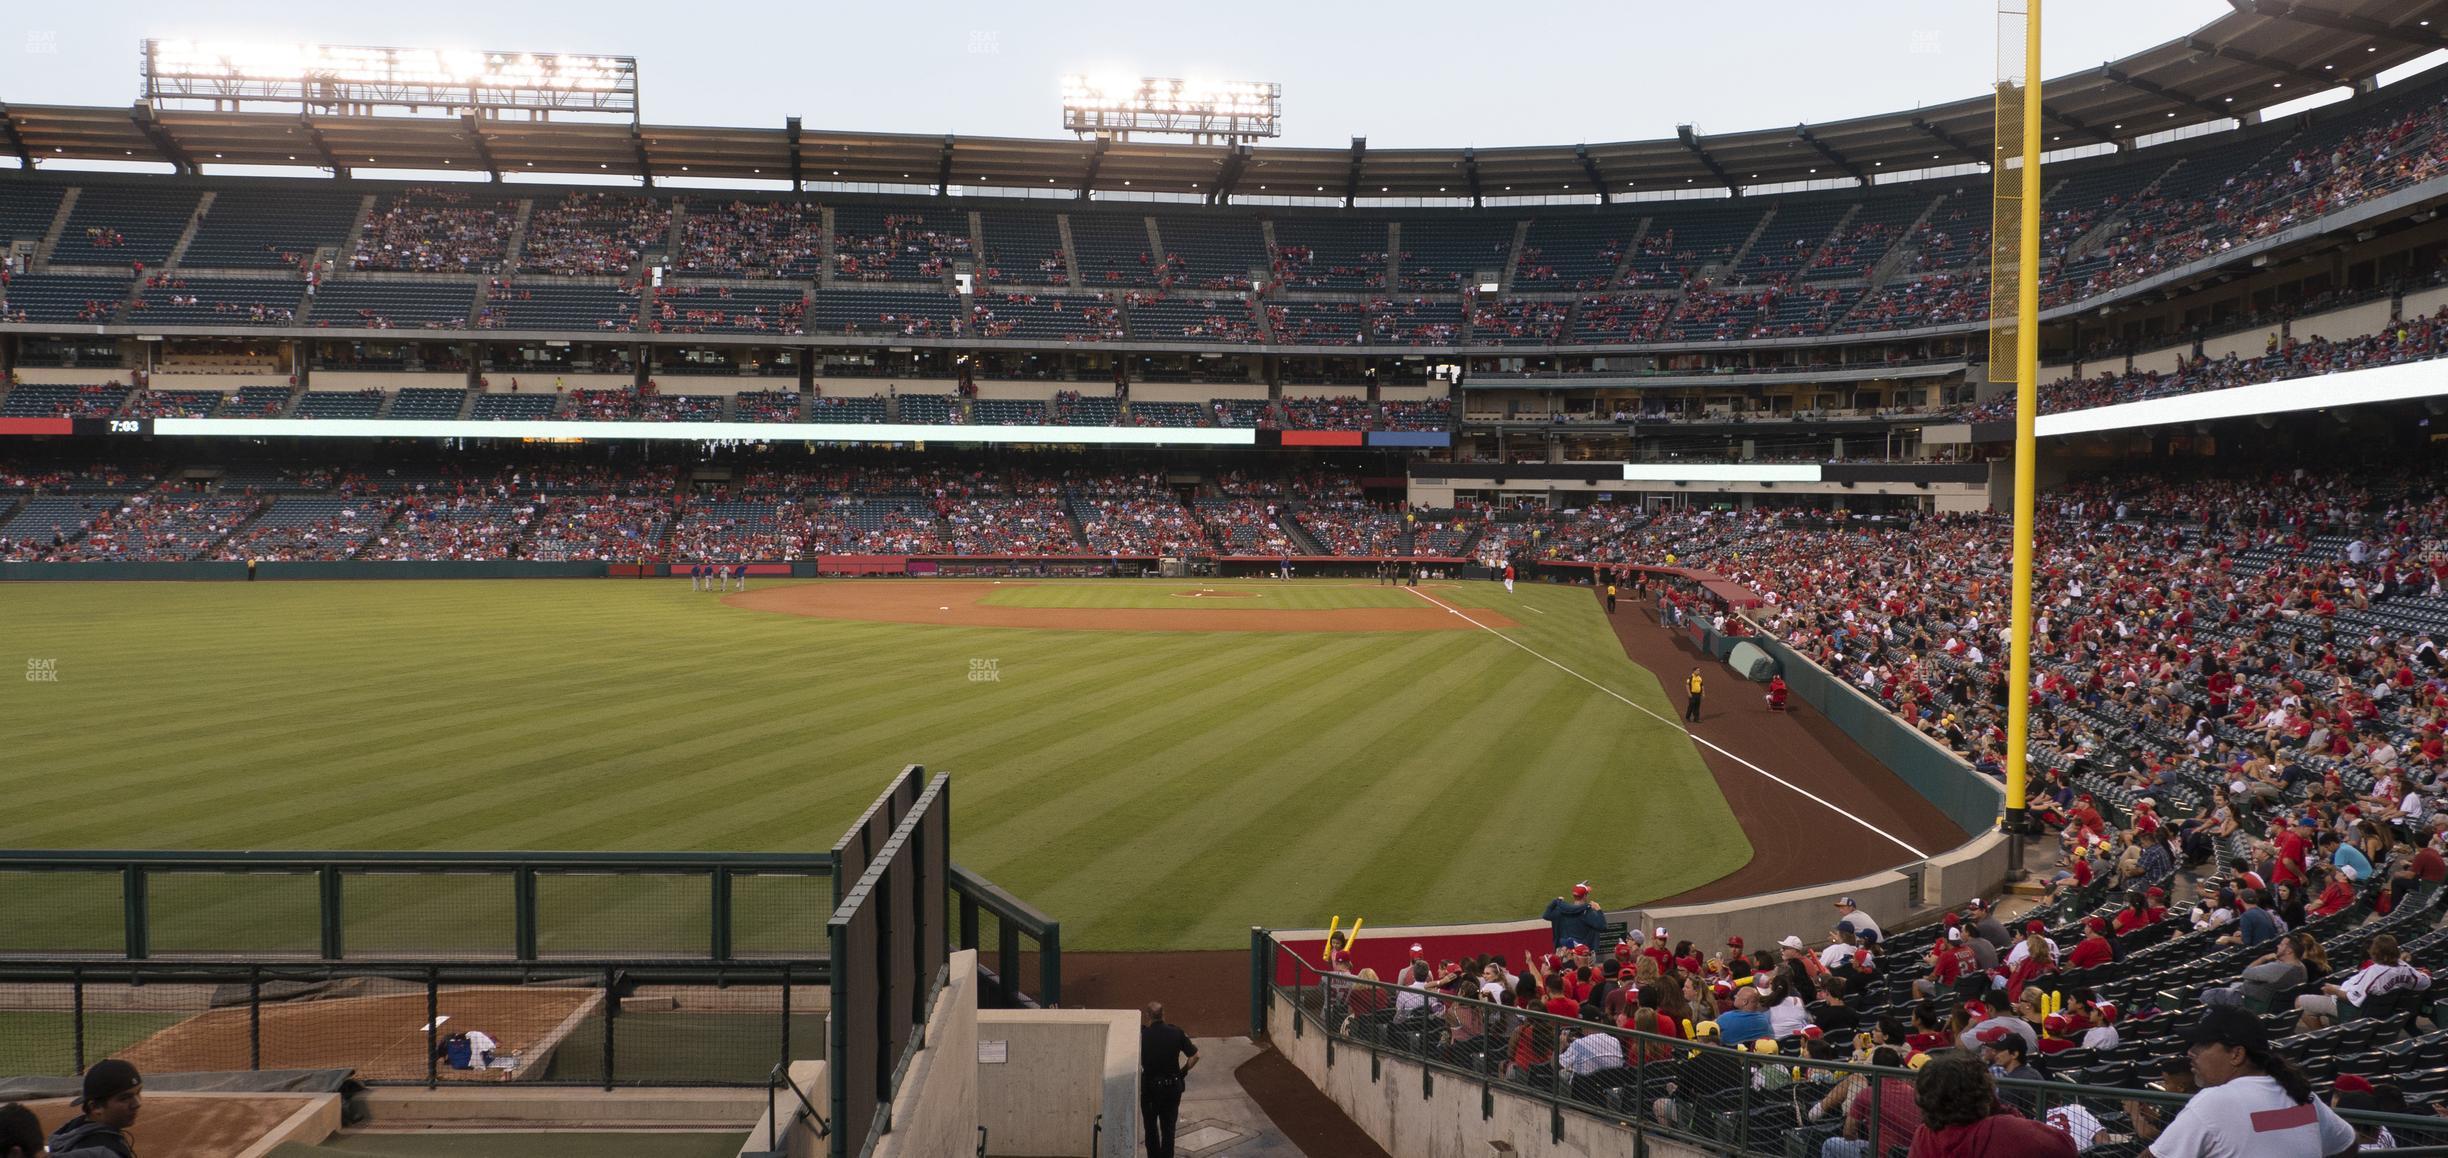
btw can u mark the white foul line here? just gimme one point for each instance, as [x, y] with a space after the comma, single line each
[1813, 796]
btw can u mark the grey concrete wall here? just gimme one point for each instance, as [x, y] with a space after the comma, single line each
[1763, 919]
[1415, 1117]
[936, 1109]
[1063, 1069]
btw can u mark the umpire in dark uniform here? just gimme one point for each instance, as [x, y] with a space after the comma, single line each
[1166, 1058]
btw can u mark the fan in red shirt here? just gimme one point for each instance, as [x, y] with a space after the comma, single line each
[2094, 949]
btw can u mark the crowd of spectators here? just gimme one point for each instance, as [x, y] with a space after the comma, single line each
[436, 229]
[699, 310]
[594, 234]
[870, 257]
[766, 239]
[2411, 340]
[158, 526]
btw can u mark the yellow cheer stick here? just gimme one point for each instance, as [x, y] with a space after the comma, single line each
[1353, 936]
[1326, 952]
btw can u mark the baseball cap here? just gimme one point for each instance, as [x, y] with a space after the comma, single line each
[1976, 1011]
[2107, 1012]
[2034, 927]
[1623, 948]
[1624, 973]
[1846, 902]
[1954, 934]
[108, 1079]
[1994, 1035]
[2095, 924]
[2154, 891]
[1580, 950]
[2353, 1084]
[1813, 1032]
[2228, 1027]
[1417, 949]
[1734, 942]
[1658, 933]
[1581, 890]
[1790, 942]
[1978, 903]
[2054, 1024]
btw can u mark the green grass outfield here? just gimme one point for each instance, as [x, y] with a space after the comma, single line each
[1152, 790]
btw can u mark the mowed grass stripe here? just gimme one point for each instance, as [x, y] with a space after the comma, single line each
[1107, 775]
[1366, 800]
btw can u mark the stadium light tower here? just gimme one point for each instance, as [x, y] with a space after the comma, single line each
[350, 80]
[1209, 112]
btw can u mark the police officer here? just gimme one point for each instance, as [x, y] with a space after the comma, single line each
[1162, 1071]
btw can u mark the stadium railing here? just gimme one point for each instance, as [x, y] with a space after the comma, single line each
[1668, 1095]
[602, 1024]
[138, 905]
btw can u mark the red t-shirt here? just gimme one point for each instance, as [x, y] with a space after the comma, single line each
[2091, 951]
[1563, 1007]
[2001, 1133]
[1533, 1046]
[2429, 865]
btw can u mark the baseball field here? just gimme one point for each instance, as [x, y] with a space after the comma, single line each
[1158, 764]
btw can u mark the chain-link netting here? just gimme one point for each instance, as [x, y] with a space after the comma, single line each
[398, 915]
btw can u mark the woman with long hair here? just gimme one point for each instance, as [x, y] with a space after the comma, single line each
[2389, 972]
[2251, 1101]
[1961, 1115]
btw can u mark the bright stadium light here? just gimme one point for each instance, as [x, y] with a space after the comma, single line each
[351, 79]
[1223, 111]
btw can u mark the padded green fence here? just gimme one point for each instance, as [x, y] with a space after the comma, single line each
[1968, 798]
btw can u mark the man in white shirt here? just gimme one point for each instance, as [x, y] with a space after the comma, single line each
[1591, 1053]
[1848, 914]
[2252, 1101]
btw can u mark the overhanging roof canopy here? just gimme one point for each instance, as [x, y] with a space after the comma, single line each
[2262, 53]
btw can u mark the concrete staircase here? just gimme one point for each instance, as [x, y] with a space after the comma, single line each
[195, 221]
[1062, 222]
[59, 222]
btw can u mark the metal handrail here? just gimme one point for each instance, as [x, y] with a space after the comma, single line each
[1744, 1064]
[103, 859]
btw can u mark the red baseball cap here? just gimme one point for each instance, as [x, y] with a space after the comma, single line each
[1581, 950]
[2154, 891]
[2034, 927]
[1623, 948]
[1581, 890]
[1624, 973]
[2353, 1084]
[2095, 924]
[1976, 1011]
[1813, 1032]
[1993, 1035]
[1735, 942]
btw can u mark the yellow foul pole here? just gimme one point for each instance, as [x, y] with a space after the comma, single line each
[2026, 451]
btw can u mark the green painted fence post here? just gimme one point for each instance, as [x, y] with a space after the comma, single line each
[335, 945]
